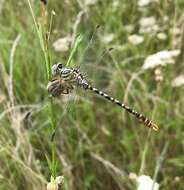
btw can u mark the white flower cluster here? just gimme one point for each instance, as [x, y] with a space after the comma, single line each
[148, 24]
[146, 183]
[178, 81]
[135, 39]
[160, 59]
[62, 44]
[107, 38]
[90, 2]
[162, 36]
[143, 3]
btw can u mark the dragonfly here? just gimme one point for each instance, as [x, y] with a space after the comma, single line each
[65, 79]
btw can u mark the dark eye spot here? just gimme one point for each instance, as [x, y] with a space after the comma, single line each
[60, 66]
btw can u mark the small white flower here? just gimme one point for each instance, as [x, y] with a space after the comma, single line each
[148, 24]
[132, 176]
[54, 183]
[178, 81]
[177, 179]
[135, 39]
[165, 18]
[162, 36]
[107, 38]
[160, 58]
[147, 21]
[59, 180]
[143, 3]
[90, 2]
[62, 44]
[146, 183]
[115, 4]
[158, 75]
[129, 28]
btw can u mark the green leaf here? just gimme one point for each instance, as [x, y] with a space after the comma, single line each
[74, 48]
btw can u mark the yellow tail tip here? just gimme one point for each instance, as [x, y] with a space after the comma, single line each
[154, 127]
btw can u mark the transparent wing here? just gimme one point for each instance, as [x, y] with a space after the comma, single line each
[65, 102]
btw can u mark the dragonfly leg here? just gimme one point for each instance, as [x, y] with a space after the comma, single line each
[66, 91]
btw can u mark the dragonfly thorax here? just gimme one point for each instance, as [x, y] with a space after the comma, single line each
[70, 75]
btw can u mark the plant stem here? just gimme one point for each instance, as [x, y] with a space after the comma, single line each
[44, 44]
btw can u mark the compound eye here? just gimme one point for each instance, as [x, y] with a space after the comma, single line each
[60, 66]
[54, 70]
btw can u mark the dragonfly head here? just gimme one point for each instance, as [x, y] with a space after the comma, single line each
[56, 69]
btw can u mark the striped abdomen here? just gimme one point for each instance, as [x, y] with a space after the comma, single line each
[142, 119]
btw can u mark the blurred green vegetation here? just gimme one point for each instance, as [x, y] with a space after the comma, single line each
[97, 143]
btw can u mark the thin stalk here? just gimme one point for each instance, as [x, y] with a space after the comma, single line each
[145, 151]
[159, 163]
[44, 44]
